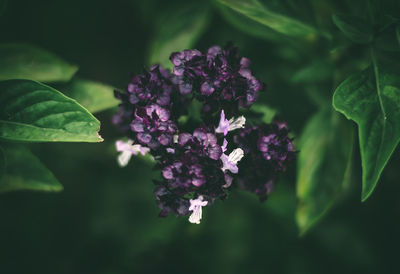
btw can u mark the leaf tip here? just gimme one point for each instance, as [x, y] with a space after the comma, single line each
[58, 188]
[73, 70]
[368, 187]
[302, 220]
[99, 138]
[366, 193]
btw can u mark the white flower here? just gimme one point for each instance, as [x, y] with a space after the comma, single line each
[196, 206]
[225, 126]
[230, 162]
[235, 123]
[128, 149]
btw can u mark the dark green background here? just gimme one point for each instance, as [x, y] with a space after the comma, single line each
[105, 221]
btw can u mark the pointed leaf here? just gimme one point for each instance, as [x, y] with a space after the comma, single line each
[33, 112]
[21, 61]
[323, 166]
[354, 28]
[25, 172]
[372, 99]
[183, 30]
[94, 96]
[276, 20]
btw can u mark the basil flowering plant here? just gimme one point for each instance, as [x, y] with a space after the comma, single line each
[201, 158]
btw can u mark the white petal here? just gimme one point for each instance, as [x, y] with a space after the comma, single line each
[196, 215]
[236, 155]
[122, 146]
[123, 158]
[236, 123]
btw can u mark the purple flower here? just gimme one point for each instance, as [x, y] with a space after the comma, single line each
[188, 69]
[170, 202]
[230, 162]
[225, 126]
[154, 86]
[153, 127]
[276, 146]
[219, 78]
[268, 150]
[193, 166]
[190, 160]
[193, 158]
[124, 115]
[230, 80]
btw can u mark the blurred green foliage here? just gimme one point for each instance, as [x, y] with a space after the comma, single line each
[21, 61]
[105, 220]
[25, 172]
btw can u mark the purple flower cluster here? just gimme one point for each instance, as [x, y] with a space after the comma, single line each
[219, 78]
[145, 111]
[192, 166]
[201, 162]
[268, 150]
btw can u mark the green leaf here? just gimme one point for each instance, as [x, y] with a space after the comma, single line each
[371, 98]
[194, 110]
[354, 28]
[21, 61]
[181, 32]
[268, 113]
[2, 162]
[324, 162]
[317, 71]
[26, 172]
[265, 15]
[247, 25]
[398, 34]
[94, 96]
[33, 112]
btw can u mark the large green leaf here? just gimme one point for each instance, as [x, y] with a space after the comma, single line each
[21, 61]
[33, 112]
[94, 96]
[25, 172]
[181, 32]
[354, 28]
[371, 98]
[264, 14]
[323, 165]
